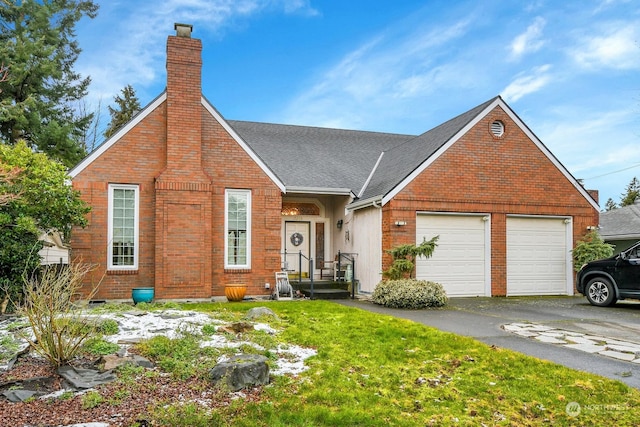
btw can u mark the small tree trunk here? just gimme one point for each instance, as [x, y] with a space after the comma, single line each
[4, 304]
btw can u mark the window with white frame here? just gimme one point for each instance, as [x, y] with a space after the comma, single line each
[238, 229]
[123, 227]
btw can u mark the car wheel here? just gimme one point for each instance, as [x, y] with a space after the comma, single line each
[600, 292]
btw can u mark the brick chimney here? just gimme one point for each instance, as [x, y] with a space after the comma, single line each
[183, 191]
[184, 110]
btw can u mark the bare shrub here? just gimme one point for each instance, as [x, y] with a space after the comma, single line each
[52, 305]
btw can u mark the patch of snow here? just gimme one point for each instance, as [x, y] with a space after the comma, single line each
[265, 328]
[135, 326]
[291, 359]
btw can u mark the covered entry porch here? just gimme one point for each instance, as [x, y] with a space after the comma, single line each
[313, 242]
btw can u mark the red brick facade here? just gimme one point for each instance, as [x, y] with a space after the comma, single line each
[183, 160]
[481, 173]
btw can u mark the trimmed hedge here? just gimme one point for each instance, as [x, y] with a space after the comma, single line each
[409, 293]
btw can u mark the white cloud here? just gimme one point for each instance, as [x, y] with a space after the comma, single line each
[125, 44]
[300, 7]
[525, 84]
[530, 40]
[616, 48]
[386, 67]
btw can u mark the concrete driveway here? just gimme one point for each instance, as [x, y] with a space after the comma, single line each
[484, 318]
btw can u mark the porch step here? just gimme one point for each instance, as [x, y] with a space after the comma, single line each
[323, 289]
[326, 293]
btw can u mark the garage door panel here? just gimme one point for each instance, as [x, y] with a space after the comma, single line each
[536, 256]
[459, 260]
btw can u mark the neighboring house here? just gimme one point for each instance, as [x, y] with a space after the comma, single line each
[54, 250]
[621, 226]
[187, 201]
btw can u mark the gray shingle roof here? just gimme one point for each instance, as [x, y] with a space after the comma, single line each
[621, 223]
[313, 157]
[316, 157]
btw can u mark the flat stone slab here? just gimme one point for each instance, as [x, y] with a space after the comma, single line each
[554, 334]
[550, 340]
[589, 348]
[617, 355]
[527, 334]
[624, 348]
[583, 340]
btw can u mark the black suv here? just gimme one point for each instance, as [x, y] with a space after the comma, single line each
[605, 281]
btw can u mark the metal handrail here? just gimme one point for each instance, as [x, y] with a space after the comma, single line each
[349, 256]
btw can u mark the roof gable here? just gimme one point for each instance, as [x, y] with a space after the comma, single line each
[401, 165]
[146, 111]
[109, 142]
[403, 162]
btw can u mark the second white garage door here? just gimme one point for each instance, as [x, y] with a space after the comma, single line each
[538, 261]
[461, 260]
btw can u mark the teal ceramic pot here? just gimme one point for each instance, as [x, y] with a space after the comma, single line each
[142, 295]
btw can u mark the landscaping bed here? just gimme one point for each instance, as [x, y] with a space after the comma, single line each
[362, 369]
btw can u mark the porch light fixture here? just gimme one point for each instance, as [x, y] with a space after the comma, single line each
[591, 227]
[339, 224]
[401, 223]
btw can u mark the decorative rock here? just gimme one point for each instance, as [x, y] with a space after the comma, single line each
[112, 361]
[256, 312]
[142, 361]
[241, 371]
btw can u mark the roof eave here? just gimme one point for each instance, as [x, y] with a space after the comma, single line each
[375, 201]
[320, 190]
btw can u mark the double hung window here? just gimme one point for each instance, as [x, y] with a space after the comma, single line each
[123, 242]
[238, 229]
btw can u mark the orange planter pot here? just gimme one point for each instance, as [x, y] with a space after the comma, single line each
[235, 292]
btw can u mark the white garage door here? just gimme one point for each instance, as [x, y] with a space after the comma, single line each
[537, 256]
[460, 261]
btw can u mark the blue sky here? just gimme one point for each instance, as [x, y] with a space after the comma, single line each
[569, 69]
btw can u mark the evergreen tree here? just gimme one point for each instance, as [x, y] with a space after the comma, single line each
[37, 43]
[35, 198]
[631, 194]
[610, 205]
[127, 106]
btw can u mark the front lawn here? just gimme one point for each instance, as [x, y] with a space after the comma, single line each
[377, 370]
[365, 369]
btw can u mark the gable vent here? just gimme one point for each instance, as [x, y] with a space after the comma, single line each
[497, 128]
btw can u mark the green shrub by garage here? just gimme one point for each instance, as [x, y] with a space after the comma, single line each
[409, 293]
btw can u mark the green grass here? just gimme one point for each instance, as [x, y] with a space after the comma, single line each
[377, 370]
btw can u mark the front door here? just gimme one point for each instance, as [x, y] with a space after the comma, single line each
[297, 239]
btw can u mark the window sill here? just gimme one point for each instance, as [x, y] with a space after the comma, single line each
[237, 270]
[121, 272]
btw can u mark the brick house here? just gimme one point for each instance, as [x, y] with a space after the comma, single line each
[187, 201]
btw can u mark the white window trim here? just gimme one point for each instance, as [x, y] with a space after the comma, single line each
[110, 265]
[226, 230]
